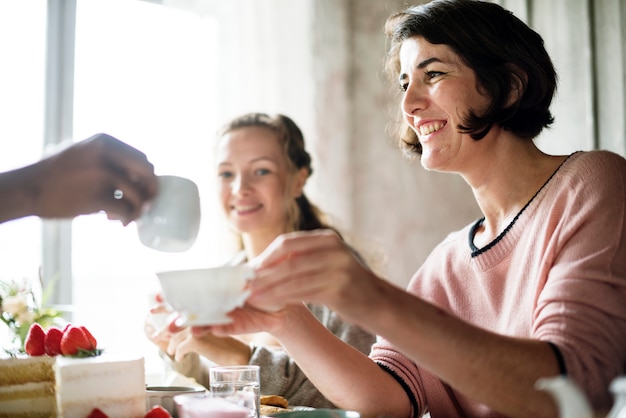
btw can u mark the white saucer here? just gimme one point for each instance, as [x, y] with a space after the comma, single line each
[205, 321]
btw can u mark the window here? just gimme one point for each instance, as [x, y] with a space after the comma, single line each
[22, 45]
[144, 73]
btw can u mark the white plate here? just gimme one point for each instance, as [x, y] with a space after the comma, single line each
[317, 413]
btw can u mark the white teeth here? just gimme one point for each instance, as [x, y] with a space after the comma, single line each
[245, 208]
[429, 128]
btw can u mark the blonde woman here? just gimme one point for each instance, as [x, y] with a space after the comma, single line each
[262, 167]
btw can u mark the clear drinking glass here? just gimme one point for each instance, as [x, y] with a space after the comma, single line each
[238, 384]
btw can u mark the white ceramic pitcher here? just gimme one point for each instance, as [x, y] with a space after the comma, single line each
[572, 402]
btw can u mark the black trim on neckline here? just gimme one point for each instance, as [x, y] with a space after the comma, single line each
[472, 232]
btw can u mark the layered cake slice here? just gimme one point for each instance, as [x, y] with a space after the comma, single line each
[69, 377]
[114, 385]
[27, 387]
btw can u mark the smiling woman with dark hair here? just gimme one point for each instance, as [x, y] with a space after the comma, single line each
[504, 54]
[534, 288]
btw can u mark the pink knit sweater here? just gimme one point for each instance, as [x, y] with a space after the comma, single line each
[558, 274]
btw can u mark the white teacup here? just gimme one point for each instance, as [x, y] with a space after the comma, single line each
[172, 220]
[204, 296]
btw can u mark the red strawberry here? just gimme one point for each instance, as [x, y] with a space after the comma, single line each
[157, 411]
[97, 413]
[90, 337]
[34, 344]
[52, 341]
[74, 340]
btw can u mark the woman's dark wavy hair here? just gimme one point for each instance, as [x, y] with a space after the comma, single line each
[303, 215]
[501, 49]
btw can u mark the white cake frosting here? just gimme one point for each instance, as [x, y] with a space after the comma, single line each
[72, 387]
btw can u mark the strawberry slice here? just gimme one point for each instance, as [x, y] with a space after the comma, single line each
[34, 344]
[97, 413]
[157, 411]
[90, 337]
[74, 340]
[52, 341]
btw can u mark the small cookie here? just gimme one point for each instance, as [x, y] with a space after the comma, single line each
[269, 410]
[274, 400]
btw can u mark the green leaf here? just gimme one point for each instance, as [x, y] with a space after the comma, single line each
[87, 353]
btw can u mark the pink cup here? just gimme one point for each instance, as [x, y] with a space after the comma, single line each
[207, 406]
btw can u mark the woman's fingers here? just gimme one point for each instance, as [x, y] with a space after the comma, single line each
[247, 320]
[288, 245]
[180, 344]
[309, 266]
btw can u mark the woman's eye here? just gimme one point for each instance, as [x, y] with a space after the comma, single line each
[403, 86]
[433, 74]
[262, 171]
[225, 174]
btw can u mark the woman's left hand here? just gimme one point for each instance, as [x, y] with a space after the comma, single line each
[247, 320]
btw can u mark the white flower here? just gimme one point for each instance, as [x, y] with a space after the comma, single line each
[26, 316]
[14, 304]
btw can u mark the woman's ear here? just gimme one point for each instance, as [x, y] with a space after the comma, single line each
[518, 83]
[299, 181]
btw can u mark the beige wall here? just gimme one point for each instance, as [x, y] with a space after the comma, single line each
[320, 61]
[399, 209]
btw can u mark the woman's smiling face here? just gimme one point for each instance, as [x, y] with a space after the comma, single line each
[252, 180]
[439, 91]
